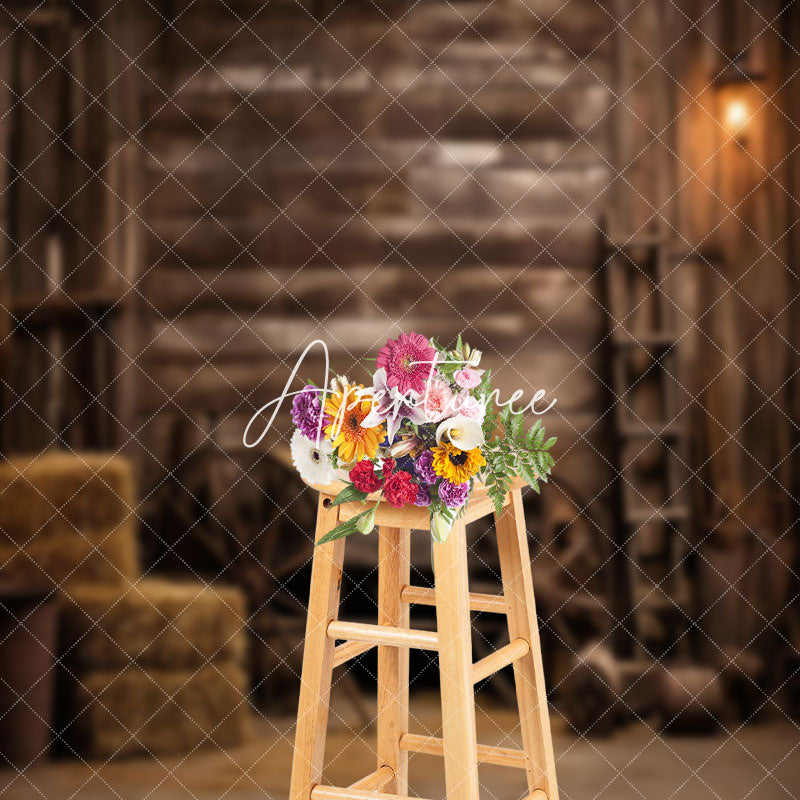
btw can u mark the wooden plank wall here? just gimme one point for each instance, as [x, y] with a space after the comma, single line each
[351, 181]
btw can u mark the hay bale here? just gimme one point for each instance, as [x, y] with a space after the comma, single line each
[159, 712]
[89, 494]
[70, 561]
[157, 623]
[71, 515]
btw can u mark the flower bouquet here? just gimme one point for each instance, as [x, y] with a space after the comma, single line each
[424, 433]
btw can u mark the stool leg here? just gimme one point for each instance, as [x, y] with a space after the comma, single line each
[315, 682]
[394, 572]
[515, 567]
[455, 666]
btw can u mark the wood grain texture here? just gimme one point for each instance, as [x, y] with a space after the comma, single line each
[455, 666]
[538, 794]
[383, 635]
[502, 657]
[315, 681]
[334, 793]
[394, 572]
[512, 545]
[348, 650]
[376, 781]
[393, 636]
[480, 505]
[487, 754]
[488, 603]
[386, 516]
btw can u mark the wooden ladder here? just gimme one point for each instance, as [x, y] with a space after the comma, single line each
[452, 640]
[652, 513]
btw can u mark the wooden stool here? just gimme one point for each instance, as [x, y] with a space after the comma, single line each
[452, 640]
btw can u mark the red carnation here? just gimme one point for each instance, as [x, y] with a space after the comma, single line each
[400, 490]
[388, 466]
[364, 478]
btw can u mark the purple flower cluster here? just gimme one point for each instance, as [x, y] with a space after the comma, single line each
[423, 497]
[454, 495]
[307, 410]
[423, 466]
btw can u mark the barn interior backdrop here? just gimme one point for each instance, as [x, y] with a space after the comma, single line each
[599, 194]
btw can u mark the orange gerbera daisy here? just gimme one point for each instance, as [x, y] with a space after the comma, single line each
[347, 410]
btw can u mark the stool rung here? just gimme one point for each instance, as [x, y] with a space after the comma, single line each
[420, 595]
[512, 652]
[320, 792]
[487, 754]
[383, 634]
[375, 781]
[348, 650]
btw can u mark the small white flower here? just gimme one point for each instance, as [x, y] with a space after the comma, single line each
[339, 383]
[461, 431]
[312, 462]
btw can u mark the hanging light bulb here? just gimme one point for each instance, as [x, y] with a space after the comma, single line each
[737, 90]
[736, 115]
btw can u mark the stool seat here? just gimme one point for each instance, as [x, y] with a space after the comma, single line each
[413, 517]
[394, 637]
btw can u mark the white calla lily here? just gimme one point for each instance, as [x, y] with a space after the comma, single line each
[463, 432]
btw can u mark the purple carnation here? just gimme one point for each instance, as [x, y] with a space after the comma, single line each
[454, 495]
[423, 466]
[306, 411]
[423, 497]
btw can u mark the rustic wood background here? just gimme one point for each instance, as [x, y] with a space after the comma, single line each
[193, 192]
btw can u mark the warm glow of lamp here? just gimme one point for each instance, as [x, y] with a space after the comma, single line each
[739, 97]
[736, 114]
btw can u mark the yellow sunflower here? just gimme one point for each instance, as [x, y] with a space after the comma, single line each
[457, 466]
[346, 412]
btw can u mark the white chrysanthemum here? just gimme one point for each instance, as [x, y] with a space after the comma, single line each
[312, 462]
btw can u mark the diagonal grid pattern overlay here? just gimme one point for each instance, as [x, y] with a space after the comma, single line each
[275, 172]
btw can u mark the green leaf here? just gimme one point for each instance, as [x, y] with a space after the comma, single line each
[550, 442]
[498, 495]
[343, 529]
[441, 525]
[483, 389]
[348, 494]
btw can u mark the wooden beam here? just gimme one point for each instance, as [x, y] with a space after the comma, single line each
[487, 754]
[383, 634]
[315, 681]
[422, 596]
[375, 781]
[320, 792]
[394, 571]
[500, 658]
[455, 665]
[515, 569]
[349, 650]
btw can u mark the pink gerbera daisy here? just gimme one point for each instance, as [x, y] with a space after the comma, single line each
[404, 360]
